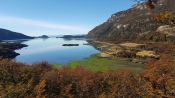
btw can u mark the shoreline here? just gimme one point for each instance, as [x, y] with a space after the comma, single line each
[7, 50]
[134, 51]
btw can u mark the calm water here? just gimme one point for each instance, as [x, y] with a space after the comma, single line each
[51, 50]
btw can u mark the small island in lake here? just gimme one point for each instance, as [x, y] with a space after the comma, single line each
[72, 36]
[43, 36]
[70, 45]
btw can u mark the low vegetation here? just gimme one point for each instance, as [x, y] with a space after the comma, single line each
[166, 17]
[98, 64]
[146, 54]
[131, 45]
[18, 80]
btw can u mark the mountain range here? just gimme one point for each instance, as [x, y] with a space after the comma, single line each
[139, 24]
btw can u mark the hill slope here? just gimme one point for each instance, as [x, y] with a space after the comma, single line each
[10, 35]
[137, 24]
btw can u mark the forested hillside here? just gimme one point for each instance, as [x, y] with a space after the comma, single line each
[10, 35]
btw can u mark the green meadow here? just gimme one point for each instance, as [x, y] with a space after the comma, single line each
[95, 63]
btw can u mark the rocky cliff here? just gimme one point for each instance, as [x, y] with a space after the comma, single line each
[138, 24]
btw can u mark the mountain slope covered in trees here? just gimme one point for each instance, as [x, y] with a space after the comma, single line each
[10, 35]
[139, 24]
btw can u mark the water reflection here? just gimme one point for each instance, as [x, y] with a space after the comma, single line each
[51, 50]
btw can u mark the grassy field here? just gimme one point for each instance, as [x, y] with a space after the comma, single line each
[95, 63]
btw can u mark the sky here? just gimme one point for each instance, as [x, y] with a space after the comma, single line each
[57, 17]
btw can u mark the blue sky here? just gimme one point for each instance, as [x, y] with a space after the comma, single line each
[57, 17]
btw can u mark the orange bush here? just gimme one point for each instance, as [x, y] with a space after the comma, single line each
[161, 74]
[42, 81]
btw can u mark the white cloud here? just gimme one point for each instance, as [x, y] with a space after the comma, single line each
[40, 24]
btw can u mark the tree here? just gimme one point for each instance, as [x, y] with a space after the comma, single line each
[40, 89]
[150, 4]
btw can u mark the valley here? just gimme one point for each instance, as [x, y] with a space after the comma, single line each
[131, 55]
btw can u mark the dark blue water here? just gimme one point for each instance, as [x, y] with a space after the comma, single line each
[51, 50]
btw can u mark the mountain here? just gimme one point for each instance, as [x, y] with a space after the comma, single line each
[139, 24]
[10, 35]
[72, 36]
[43, 36]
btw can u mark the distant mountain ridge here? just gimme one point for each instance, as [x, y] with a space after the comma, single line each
[72, 36]
[10, 35]
[135, 24]
[43, 36]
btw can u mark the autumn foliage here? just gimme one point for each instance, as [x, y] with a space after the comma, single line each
[18, 80]
[166, 17]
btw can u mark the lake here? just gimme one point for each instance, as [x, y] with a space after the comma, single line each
[52, 51]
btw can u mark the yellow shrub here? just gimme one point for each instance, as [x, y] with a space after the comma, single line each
[165, 16]
[145, 53]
